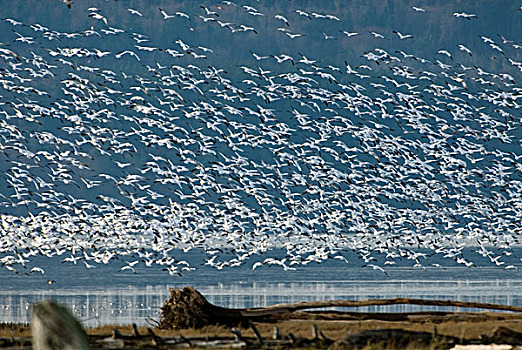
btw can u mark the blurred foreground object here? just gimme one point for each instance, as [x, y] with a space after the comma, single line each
[54, 327]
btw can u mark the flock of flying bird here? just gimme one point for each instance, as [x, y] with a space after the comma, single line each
[117, 147]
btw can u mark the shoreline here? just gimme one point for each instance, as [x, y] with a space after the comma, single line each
[18, 336]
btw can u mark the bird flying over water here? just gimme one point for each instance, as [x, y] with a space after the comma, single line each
[467, 16]
[67, 2]
[120, 143]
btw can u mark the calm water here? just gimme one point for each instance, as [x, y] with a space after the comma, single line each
[128, 297]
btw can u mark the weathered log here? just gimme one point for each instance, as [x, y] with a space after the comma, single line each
[54, 327]
[503, 335]
[395, 339]
[291, 307]
[187, 308]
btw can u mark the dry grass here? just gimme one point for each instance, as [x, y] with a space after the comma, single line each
[339, 329]
[334, 330]
[14, 330]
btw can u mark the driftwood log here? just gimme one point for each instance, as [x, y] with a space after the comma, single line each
[396, 339]
[187, 308]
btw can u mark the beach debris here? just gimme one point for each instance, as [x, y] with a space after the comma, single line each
[237, 334]
[257, 333]
[54, 327]
[395, 339]
[503, 335]
[188, 308]
[483, 347]
[275, 334]
[501, 338]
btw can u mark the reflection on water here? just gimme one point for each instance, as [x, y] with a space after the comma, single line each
[137, 304]
[116, 306]
[106, 295]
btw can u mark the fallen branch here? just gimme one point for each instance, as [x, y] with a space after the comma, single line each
[187, 308]
[291, 307]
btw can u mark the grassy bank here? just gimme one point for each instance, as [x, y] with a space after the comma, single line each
[299, 332]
